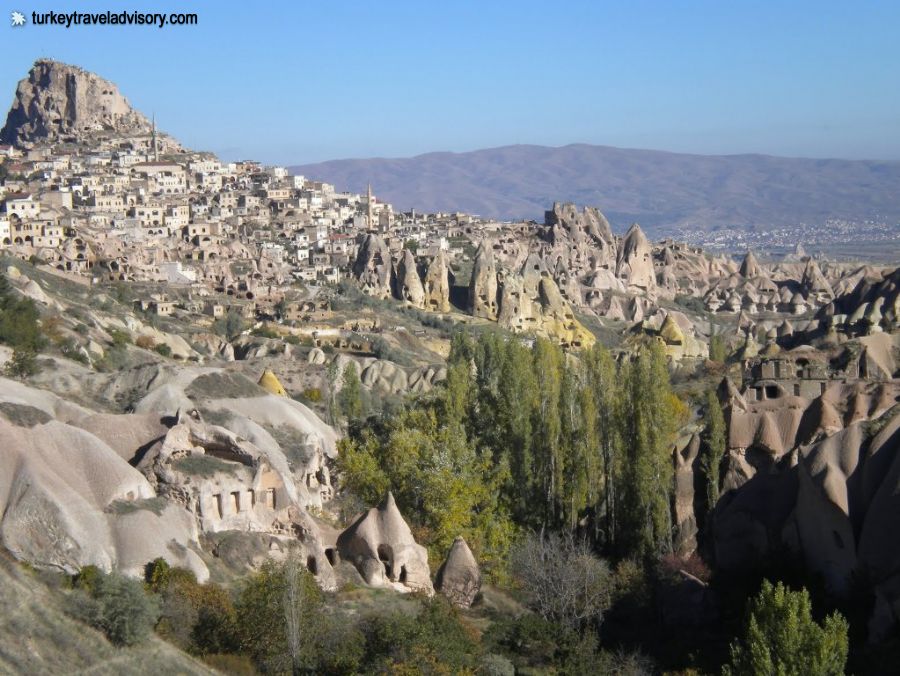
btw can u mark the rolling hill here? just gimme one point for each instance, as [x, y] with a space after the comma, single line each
[658, 189]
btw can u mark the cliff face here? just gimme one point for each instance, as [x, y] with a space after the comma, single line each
[58, 101]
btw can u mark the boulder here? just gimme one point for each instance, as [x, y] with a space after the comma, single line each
[459, 578]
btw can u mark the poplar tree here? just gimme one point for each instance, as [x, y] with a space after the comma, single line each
[713, 448]
[549, 459]
[648, 434]
[602, 379]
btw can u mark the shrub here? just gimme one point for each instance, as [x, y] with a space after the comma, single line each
[121, 507]
[230, 326]
[119, 338]
[87, 578]
[565, 582]
[116, 605]
[72, 350]
[265, 332]
[145, 342]
[313, 394]
[203, 465]
[23, 364]
[163, 350]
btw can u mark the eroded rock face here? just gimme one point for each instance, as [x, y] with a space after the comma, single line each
[437, 285]
[382, 548]
[373, 268]
[531, 301]
[409, 286]
[832, 502]
[68, 499]
[459, 578]
[483, 301]
[634, 263]
[57, 100]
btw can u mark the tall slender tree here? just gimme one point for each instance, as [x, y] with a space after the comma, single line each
[713, 448]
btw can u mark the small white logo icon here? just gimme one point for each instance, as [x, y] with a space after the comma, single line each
[18, 19]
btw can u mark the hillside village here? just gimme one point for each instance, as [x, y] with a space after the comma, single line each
[187, 429]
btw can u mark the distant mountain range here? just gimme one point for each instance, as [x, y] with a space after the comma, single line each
[660, 190]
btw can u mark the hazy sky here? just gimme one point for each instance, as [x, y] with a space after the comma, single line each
[301, 81]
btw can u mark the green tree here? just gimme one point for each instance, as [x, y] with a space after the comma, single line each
[351, 393]
[333, 405]
[714, 442]
[230, 326]
[782, 638]
[264, 605]
[549, 457]
[649, 424]
[718, 350]
[602, 378]
[125, 612]
[23, 364]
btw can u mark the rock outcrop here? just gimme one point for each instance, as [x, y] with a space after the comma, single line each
[373, 268]
[58, 101]
[437, 284]
[409, 285]
[459, 578]
[634, 262]
[483, 301]
[382, 548]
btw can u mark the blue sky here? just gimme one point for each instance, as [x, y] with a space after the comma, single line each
[295, 82]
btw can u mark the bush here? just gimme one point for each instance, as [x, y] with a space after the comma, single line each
[116, 605]
[145, 342]
[163, 349]
[564, 581]
[87, 578]
[203, 465]
[265, 332]
[23, 364]
[783, 638]
[313, 394]
[230, 326]
[72, 350]
[119, 338]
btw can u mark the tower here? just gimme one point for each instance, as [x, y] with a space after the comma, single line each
[153, 145]
[370, 208]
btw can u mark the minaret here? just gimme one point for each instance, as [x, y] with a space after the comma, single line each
[370, 206]
[153, 140]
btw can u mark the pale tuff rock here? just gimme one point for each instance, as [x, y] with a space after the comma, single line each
[483, 286]
[834, 505]
[59, 496]
[566, 223]
[382, 548]
[437, 284]
[58, 101]
[270, 383]
[685, 457]
[373, 268]
[814, 282]
[634, 262]
[750, 267]
[409, 286]
[531, 301]
[459, 578]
